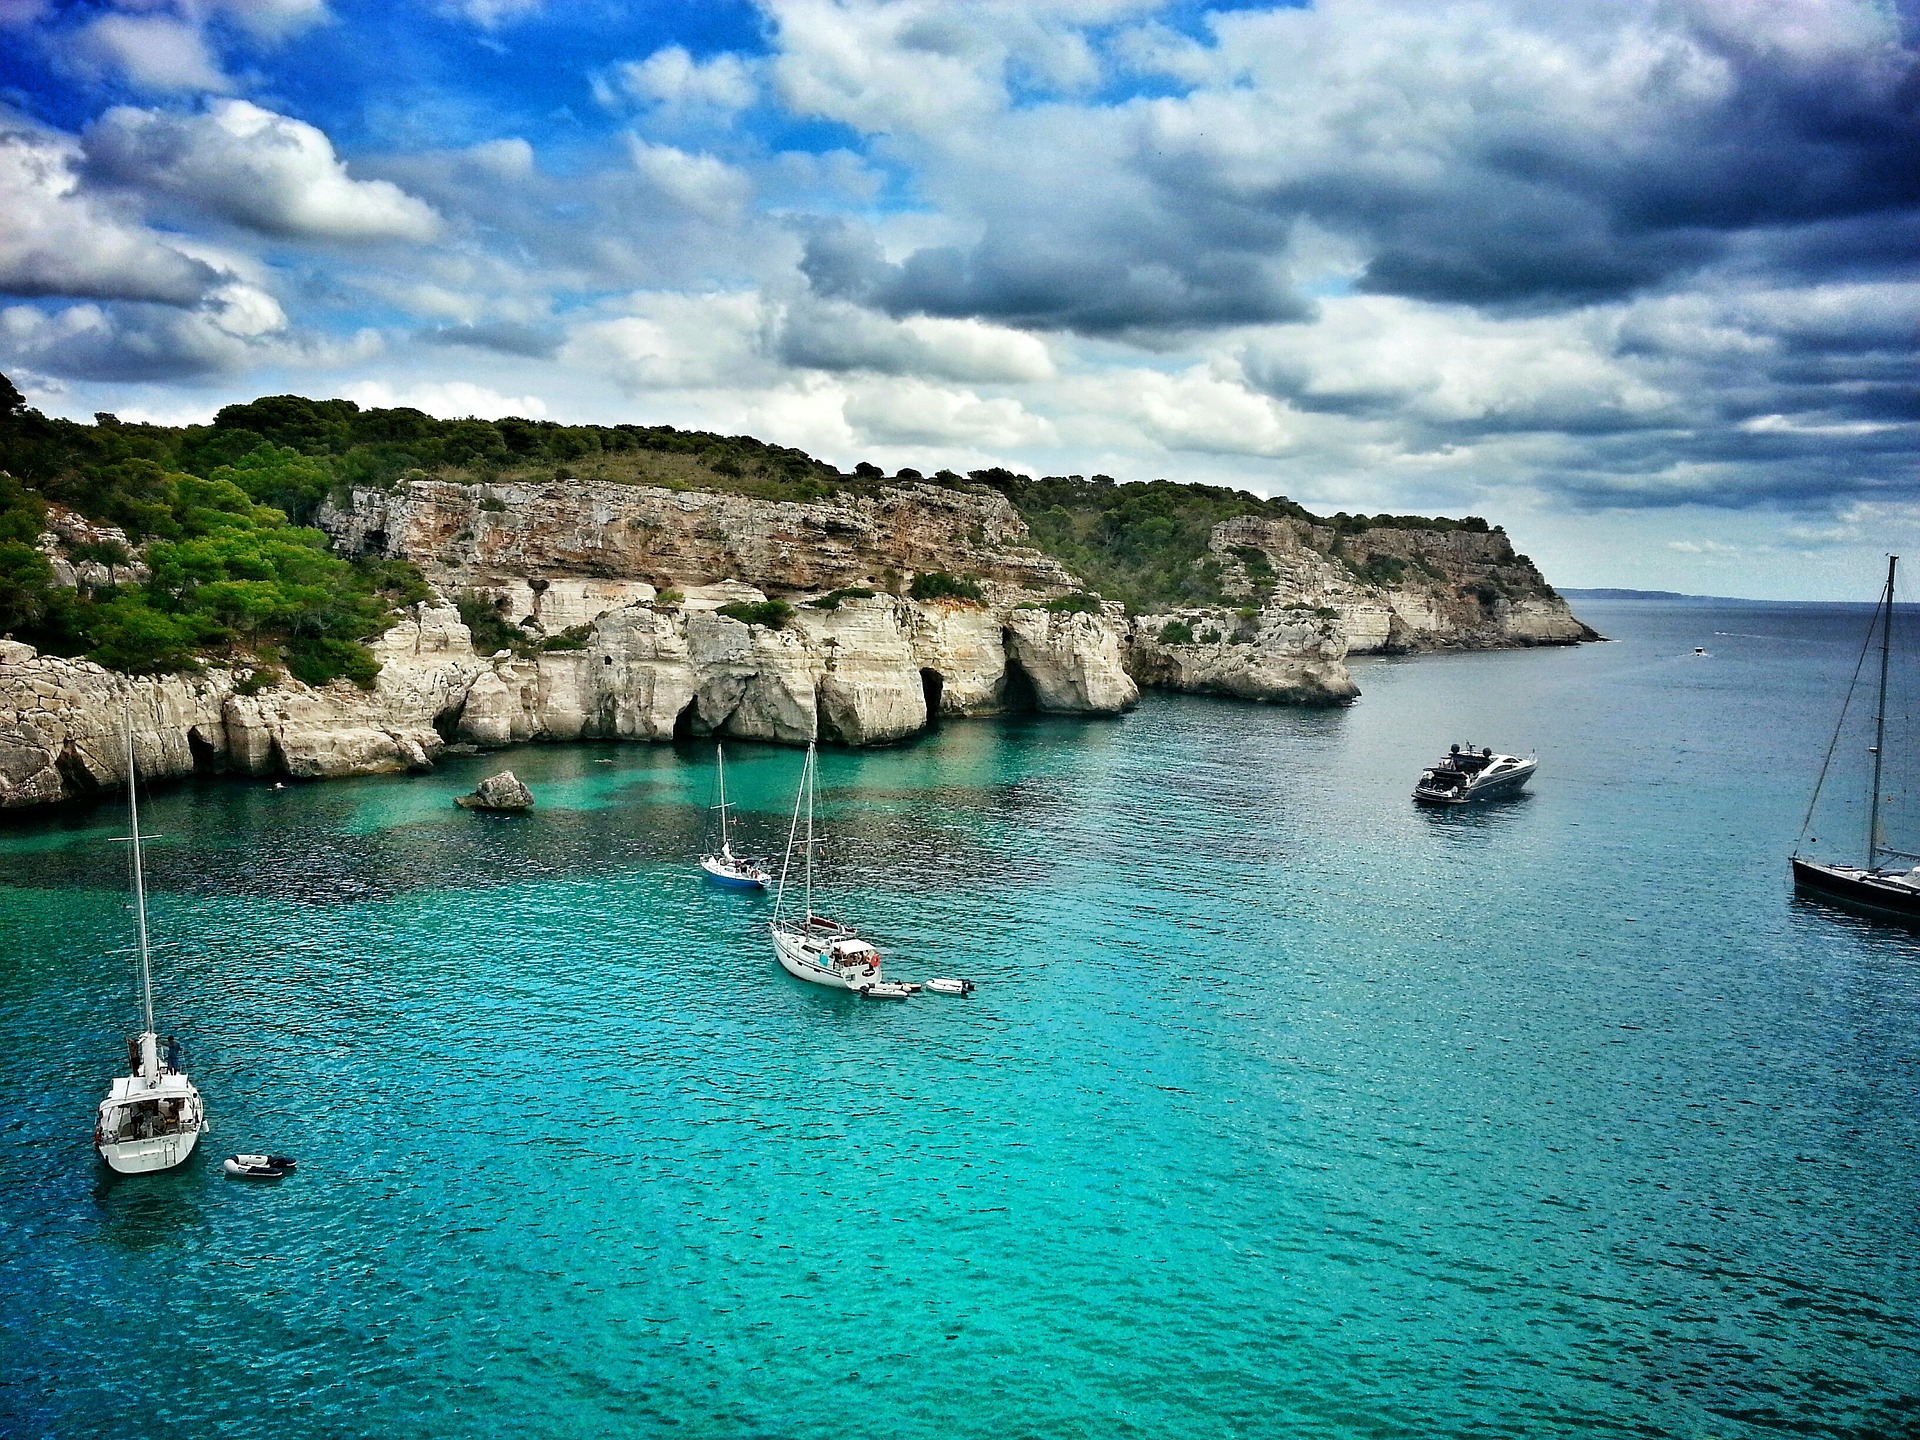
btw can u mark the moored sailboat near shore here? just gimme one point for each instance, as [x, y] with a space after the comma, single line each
[723, 867]
[1891, 890]
[152, 1116]
[812, 947]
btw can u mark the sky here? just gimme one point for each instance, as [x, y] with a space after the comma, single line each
[1638, 279]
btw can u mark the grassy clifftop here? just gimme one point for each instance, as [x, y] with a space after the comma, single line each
[218, 512]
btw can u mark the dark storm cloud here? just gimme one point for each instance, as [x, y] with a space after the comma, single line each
[1043, 282]
[1540, 160]
[527, 341]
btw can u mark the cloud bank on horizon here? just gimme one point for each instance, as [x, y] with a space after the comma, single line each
[1641, 277]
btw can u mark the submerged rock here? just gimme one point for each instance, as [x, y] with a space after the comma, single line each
[498, 792]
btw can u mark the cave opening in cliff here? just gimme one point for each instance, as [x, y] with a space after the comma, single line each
[206, 759]
[1018, 696]
[683, 722]
[447, 722]
[932, 685]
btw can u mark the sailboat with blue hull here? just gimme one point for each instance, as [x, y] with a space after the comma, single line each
[723, 867]
[1878, 887]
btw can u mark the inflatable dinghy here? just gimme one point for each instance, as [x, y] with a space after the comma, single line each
[258, 1167]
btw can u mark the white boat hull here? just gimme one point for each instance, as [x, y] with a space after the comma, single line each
[144, 1157]
[1482, 787]
[803, 962]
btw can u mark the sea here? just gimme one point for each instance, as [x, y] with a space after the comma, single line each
[1283, 1107]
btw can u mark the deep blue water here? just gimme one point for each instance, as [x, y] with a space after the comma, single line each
[1283, 1107]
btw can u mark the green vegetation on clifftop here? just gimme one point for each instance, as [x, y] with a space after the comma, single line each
[219, 512]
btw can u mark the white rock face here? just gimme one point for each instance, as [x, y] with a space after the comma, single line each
[964, 647]
[1284, 657]
[1074, 661]
[63, 725]
[869, 691]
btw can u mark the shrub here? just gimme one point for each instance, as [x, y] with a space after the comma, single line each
[491, 630]
[939, 585]
[1078, 603]
[1255, 559]
[318, 659]
[1380, 569]
[574, 637]
[771, 613]
[1485, 591]
[831, 600]
[669, 596]
[1176, 632]
[493, 506]
[261, 677]
[1210, 637]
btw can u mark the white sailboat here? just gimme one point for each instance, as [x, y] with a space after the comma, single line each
[812, 947]
[724, 867]
[152, 1117]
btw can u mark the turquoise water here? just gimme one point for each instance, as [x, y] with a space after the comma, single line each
[1283, 1107]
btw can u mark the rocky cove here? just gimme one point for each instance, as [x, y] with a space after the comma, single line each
[619, 592]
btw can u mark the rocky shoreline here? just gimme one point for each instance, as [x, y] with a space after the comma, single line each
[619, 590]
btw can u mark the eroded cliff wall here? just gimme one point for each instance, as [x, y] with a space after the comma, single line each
[593, 567]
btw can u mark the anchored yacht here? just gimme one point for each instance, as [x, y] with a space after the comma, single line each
[152, 1116]
[812, 947]
[1465, 774]
[723, 867]
[1889, 883]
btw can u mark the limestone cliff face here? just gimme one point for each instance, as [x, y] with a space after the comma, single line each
[860, 674]
[63, 722]
[582, 568]
[1311, 596]
[495, 536]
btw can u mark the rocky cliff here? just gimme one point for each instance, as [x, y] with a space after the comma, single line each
[630, 662]
[613, 599]
[1303, 597]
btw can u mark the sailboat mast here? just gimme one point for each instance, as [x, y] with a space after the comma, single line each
[1880, 717]
[809, 782]
[139, 874]
[720, 759]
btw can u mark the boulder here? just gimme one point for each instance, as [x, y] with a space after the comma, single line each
[498, 792]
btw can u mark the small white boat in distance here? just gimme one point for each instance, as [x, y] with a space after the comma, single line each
[724, 867]
[152, 1117]
[944, 986]
[811, 947]
[1467, 775]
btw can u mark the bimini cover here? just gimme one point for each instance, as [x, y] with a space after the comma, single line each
[853, 949]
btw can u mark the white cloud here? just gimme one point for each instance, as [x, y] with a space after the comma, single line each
[707, 186]
[673, 342]
[914, 412]
[1446, 364]
[250, 166]
[238, 327]
[1198, 409]
[672, 77]
[491, 14]
[270, 19]
[58, 240]
[447, 399]
[153, 52]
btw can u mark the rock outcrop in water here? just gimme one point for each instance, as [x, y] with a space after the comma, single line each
[614, 596]
[504, 792]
